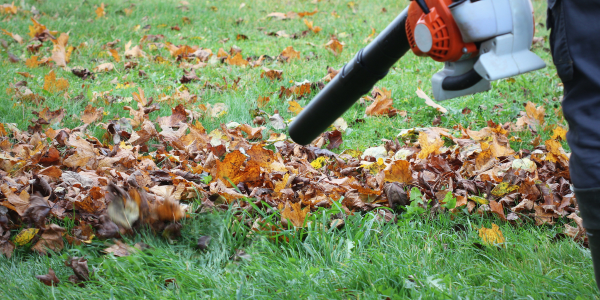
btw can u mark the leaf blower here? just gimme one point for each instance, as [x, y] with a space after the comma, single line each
[477, 40]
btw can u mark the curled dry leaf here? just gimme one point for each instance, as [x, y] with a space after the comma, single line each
[331, 73]
[105, 67]
[271, 74]
[59, 52]
[277, 122]
[80, 269]
[51, 239]
[309, 24]
[430, 102]
[335, 46]
[49, 279]
[134, 52]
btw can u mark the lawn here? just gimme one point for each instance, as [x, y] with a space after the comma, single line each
[416, 255]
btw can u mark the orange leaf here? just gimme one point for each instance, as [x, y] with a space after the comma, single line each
[232, 169]
[289, 53]
[53, 85]
[335, 46]
[271, 74]
[100, 11]
[293, 213]
[497, 208]
[429, 147]
[381, 106]
[115, 54]
[262, 101]
[32, 62]
[310, 26]
[237, 60]
[399, 171]
[59, 54]
[536, 114]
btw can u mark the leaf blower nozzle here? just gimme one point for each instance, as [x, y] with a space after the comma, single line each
[356, 78]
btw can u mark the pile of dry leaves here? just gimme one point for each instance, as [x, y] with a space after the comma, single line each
[143, 176]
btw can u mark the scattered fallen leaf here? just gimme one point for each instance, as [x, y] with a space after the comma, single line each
[430, 102]
[335, 46]
[105, 67]
[491, 236]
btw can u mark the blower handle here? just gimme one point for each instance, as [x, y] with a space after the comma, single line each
[356, 78]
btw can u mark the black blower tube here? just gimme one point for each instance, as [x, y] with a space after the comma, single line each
[356, 78]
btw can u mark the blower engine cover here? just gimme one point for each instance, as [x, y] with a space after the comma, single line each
[436, 34]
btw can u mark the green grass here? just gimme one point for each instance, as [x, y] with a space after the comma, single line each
[209, 27]
[367, 259]
[425, 257]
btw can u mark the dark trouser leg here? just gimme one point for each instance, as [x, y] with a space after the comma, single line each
[576, 53]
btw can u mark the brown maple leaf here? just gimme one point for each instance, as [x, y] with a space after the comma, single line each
[51, 239]
[92, 114]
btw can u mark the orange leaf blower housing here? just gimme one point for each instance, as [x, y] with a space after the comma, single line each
[436, 34]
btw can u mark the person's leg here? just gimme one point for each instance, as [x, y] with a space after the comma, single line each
[576, 53]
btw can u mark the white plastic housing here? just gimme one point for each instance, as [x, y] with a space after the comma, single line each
[505, 30]
[482, 20]
[508, 55]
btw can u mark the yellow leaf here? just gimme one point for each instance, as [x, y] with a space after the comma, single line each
[352, 152]
[504, 188]
[491, 236]
[25, 236]
[559, 132]
[479, 200]
[319, 162]
[100, 11]
[555, 152]
[427, 146]
[295, 107]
